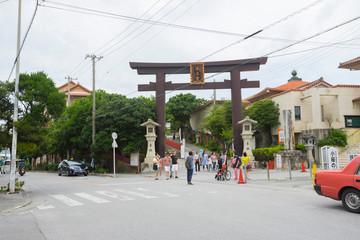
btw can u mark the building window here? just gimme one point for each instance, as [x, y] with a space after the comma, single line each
[322, 113]
[297, 113]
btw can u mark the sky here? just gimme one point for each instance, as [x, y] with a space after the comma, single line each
[61, 36]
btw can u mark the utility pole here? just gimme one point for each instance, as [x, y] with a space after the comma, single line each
[68, 96]
[93, 58]
[214, 95]
[16, 108]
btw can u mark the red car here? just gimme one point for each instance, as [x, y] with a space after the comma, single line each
[341, 185]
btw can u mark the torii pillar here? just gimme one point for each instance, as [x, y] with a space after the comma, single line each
[234, 67]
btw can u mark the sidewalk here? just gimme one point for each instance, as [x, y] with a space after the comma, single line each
[9, 202]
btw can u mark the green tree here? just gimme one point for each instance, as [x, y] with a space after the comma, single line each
[6, 112]
[266, 113]
[39, 102]
[180, 108]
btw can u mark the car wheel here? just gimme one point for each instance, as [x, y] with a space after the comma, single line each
[85, 174]
[351, 200]
[69, 173]
[59, 173]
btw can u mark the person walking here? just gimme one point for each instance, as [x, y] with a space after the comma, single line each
[236, 164]
[190, 168]
[160, 165]
[200, 157]
[209, 163]
[166, 161]
[197, 161]
[175, 165]
[204, 160]
[156, 165]
[213, 160]
[246, 164]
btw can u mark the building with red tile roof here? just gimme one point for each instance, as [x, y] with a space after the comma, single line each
[353, 64]
[76, 91]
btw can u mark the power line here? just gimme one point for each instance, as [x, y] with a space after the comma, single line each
[23, 42]
[142, 32]
[154, 36]
[129, 26]
[134, 19]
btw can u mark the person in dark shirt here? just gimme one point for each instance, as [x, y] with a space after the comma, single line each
[175, 165]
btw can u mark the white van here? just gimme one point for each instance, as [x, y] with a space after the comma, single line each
[5, 168]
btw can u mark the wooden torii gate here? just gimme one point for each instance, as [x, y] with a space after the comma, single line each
[235, 84]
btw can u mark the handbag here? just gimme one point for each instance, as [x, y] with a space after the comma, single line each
[155, 167]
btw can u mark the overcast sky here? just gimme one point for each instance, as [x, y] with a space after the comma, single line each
[60, 39]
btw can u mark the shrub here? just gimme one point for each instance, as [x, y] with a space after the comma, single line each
[266, 154]
[337, 137]
[101, 170]
[301, 147]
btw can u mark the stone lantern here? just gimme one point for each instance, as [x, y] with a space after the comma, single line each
[150, 138]
[309, 140]
[197, 137]
[247, 135]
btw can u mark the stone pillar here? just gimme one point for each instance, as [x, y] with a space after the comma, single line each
[160, 112]
[236, 102]
[288, 130]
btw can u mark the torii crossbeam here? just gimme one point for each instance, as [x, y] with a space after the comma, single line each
[235, 84]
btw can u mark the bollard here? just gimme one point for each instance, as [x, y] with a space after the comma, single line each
[314, 173]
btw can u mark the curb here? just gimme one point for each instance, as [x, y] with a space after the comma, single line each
[4, 212]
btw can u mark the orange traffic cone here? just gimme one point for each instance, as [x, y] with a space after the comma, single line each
[302, 167]
[241, 179]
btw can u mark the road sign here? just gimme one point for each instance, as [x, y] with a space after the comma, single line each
[278, 161]
[114, 135]
[333, 158]
[114, 144]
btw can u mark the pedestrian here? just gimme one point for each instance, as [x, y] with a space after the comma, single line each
[160, 165]
[197, 161]
[174, 164]
[246, 164]
[204, 160]
[200, 157]
[220, 161]
[236, 164]
[190, 169]
[224, 161]
[156, 165]
[213, 161]
[174, 137]
[209, 163]
[167, 163]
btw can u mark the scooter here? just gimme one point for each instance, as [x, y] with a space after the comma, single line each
[22, 171]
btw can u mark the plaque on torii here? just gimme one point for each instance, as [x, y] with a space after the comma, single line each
[160, 70]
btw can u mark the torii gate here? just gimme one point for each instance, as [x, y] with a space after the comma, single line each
[235, 84]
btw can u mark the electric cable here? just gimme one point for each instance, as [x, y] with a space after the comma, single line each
[24, 39]
[128, 27]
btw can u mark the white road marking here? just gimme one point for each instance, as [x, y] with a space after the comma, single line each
[135, 193]
[43, 207]
[114, 195]
[213, 192]
[170, 194]
[125, 183]
[68, 201]
[164, 193]
[91, 198]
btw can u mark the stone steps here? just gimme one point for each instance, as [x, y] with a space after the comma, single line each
[343, 155]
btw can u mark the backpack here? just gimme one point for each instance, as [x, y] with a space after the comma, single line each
[234, 160]
[187, 162]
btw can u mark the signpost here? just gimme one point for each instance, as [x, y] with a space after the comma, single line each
[333, 158]
[114, 145]
[134, 160]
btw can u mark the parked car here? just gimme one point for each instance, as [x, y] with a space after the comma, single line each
[71, 167]
[5, 168]
[341, 185]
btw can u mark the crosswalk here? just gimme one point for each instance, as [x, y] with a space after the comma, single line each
[78, 199]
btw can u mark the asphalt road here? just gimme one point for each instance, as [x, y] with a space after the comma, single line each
[138, 207]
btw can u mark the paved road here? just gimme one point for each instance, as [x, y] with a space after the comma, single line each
[138, 207]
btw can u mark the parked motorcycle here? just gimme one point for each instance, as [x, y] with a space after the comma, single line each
[22, 171]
